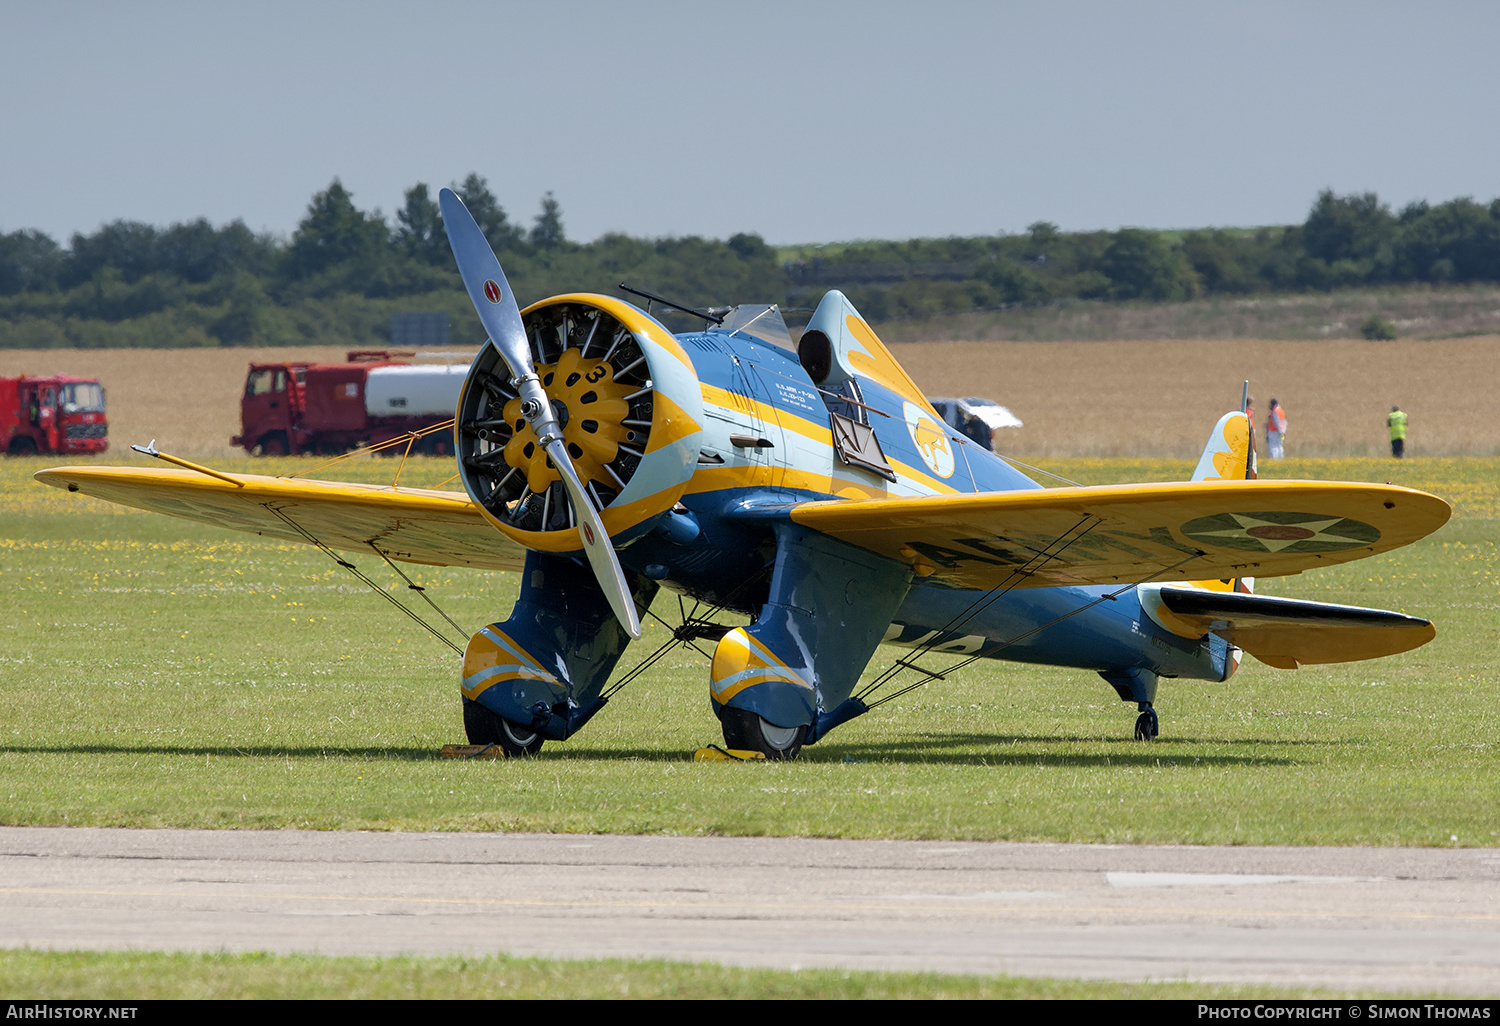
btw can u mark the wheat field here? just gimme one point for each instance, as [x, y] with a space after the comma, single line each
[1076, 398]
[1161, 398]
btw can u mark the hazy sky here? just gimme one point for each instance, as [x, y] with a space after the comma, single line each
[805, 121]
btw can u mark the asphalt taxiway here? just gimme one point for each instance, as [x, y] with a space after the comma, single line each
[1362, 919]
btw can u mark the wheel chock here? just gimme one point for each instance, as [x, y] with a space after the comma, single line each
[473, 752]
[713, 753]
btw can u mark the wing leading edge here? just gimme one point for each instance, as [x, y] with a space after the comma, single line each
[1120, 534]
[410, 524]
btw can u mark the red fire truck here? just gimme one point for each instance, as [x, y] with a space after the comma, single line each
[334, 407]
[56, 414]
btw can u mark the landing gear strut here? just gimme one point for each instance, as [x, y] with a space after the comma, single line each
[1146, 725]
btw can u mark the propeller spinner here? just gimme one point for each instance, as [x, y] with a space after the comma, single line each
[501, 317]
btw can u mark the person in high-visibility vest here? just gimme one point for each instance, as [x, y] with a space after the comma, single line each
[1397, 423]
[1275, 430]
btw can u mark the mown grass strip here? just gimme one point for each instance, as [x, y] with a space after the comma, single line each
[112, 976]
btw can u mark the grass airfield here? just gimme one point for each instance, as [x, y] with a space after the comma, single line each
[220, 976]
[159, 673]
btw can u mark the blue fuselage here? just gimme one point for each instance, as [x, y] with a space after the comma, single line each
[741, 495]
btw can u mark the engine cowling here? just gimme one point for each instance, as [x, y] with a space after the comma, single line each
[628, 400]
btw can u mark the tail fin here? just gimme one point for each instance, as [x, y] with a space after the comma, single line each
[1230, 452]
[1228, 456]
[838, 345]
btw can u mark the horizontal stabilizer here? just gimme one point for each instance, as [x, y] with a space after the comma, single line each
[416, 525]
[1123, 534]
[1288, 633]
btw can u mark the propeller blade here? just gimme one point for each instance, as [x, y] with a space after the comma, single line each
[596, 544]
[501, 317]
[488, 289]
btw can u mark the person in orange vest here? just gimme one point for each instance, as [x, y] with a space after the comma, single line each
[1275, 430]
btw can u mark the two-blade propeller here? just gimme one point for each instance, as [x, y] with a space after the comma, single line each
[501, 317]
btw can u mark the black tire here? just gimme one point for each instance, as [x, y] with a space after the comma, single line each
[747, 732]
[22, 446]
[274, 445]
[485, 727]
[1147, 726]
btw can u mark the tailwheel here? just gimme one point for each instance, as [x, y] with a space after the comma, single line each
[1146, 724]
[747, 732]
[485, 727]
[597, 378]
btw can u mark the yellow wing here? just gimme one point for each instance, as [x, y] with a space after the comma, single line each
[1123, 533]
[411, 524]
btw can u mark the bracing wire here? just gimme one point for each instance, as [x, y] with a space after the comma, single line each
[682, 635]
[987, 599]
[974, 609]
[988, 652]
[413, 586]
[651, 660]
[361, 575]
[1027, 466]
[407, 439]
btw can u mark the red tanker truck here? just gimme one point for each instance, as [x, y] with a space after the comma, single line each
[56, 414]
[334, 407]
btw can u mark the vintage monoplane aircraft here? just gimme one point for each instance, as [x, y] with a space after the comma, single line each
[812, 489]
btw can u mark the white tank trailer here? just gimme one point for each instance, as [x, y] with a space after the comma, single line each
[419, 390]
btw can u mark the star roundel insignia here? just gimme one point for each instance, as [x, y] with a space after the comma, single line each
[491, 290]
[1278, 531]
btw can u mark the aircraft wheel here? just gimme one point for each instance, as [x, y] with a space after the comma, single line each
[1146, 725]
[485, 727]
[746, 731]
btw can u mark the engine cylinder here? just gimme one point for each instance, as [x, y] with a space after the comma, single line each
[627, 398]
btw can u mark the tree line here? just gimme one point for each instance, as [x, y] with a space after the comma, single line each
[1346, 242]
[344, 270]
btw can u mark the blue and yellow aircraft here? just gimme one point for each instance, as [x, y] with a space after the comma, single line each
[811, 489]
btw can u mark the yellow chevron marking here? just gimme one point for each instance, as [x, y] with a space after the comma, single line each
[484, 652]
[820, 434]
[740, 662]
[878, 363]
[672, 423]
